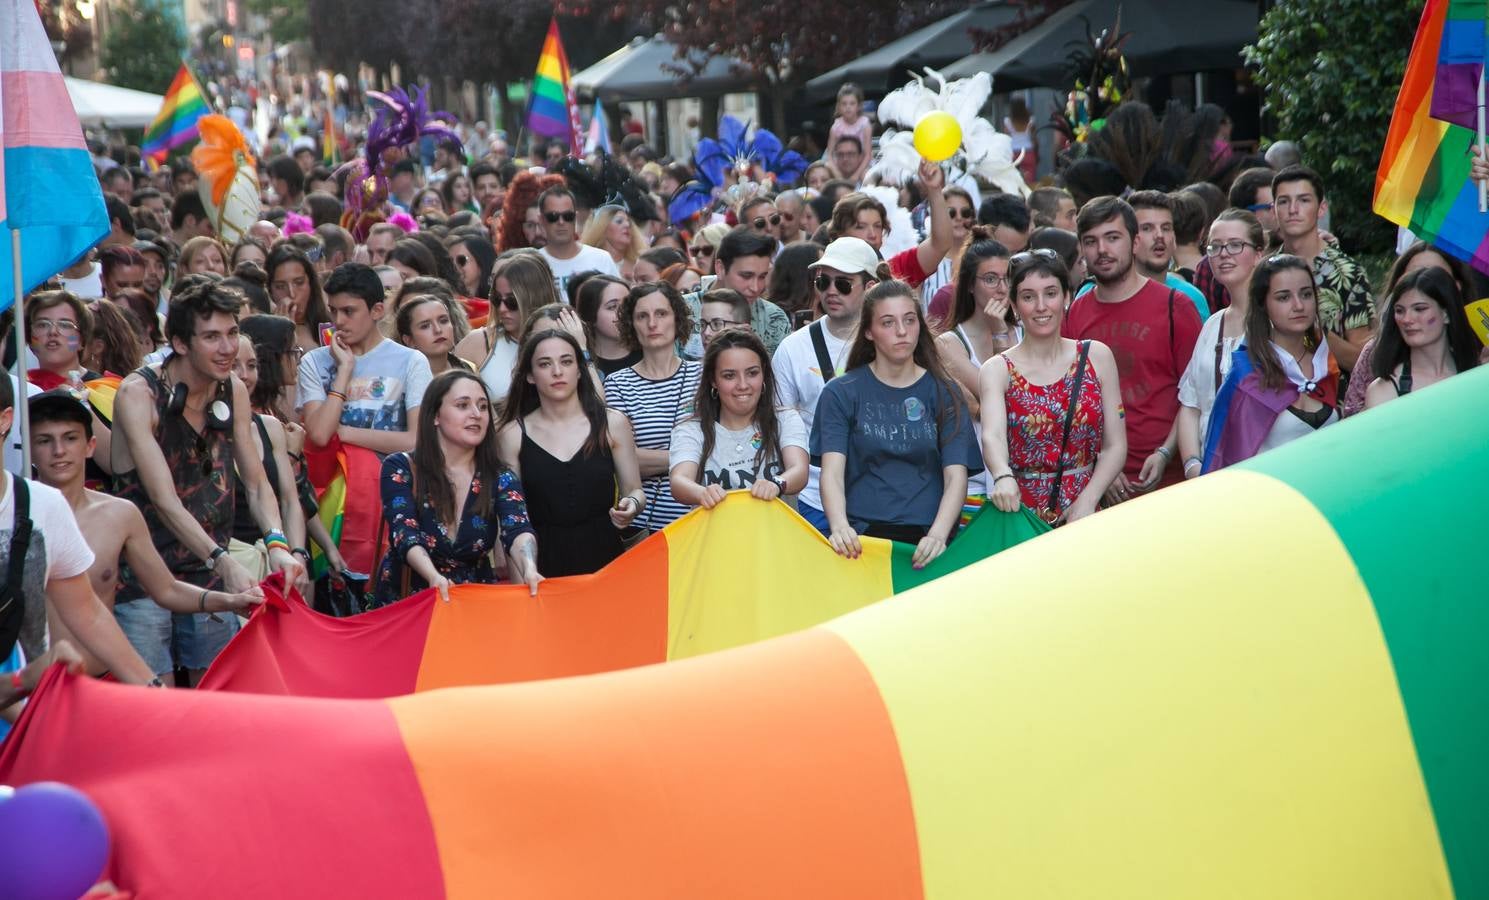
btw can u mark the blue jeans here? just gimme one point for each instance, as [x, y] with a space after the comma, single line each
[165, 639]
[817, 517]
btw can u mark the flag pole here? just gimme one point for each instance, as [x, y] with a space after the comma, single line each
[22, 409]
[1483, 150]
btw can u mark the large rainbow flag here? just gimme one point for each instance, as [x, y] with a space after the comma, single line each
[1094, 713]
[175, 125]
[347, 487]
[1422, 182]
[49, 192]
[553, 112]
[741, 573]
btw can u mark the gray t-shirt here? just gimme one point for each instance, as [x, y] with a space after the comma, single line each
[735, 461]
[387, 384]
[57, 550]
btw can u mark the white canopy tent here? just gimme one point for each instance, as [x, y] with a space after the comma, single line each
[107, 106]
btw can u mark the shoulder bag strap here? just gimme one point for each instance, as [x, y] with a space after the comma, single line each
[12, 600]
[819, 344]
[1075, 397]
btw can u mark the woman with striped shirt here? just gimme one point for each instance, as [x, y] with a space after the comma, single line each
[657, 392]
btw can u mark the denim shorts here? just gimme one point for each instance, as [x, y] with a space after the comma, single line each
[817, 517]
[166, 640]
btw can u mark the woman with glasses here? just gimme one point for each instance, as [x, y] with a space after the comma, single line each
[473, 258]
[963, 215]
[893, 434]
[1283, 383]
[576, 458]
[737, 439]
[706, 244]
[520, 284]
[1052, 429]
[657, 392]
[1425, 338]
[451, 502]
[599, 301]
[296, 290]
[1234, 249]
[613, 230]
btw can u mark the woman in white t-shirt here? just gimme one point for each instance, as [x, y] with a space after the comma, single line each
[520, 284]
[1235, 247]
[737, 439]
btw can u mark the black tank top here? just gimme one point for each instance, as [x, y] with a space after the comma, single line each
[568, 502]
[245, 526]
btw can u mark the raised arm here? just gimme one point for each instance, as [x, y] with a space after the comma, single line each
[934, 248]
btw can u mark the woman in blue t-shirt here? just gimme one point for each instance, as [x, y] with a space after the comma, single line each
[893, 434]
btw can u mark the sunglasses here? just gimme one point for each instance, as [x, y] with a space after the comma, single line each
[843, 283]
[704, 250]
[961, 212]
[462, 260]
[1019, 259]
[1259, 207]
[507, 301]
[568, 216]
[760, 223]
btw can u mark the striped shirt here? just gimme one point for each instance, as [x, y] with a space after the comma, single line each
[655, 408]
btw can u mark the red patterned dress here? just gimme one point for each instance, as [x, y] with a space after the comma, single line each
[1036, 421]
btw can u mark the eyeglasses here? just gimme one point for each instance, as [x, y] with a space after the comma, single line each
[1019, 259]
[1227, 248]
[297, 353]
[567, 216]
[760, 222]
[1259, 207]
[993, 279]
[507, 301]
[720, 324]
[701, 250]
[61, 326]
[462, 260]
[843, 283]
[961, 212]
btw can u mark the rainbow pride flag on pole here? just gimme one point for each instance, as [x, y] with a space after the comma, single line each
[553, 111]
[1422, 182]
[175, 124]
[49, 192]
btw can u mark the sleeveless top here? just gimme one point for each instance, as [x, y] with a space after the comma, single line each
[976, 484]
[568, 503]
[245, 526]
[201, 464]
[496, 370]
[1036, 422]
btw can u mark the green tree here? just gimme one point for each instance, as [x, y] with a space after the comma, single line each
[1330, 70]
[289, 20]
[143, 48]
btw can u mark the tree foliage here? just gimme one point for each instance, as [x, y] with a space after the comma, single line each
[289, 20]
[1330, 71]
[143, 48]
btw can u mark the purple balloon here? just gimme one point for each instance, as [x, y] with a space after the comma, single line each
[53, 843]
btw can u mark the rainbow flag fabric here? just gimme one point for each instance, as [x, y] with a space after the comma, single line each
[175, 125]
[1089, 714]
[347, 487]
[662, 600]
[48, 189]
[553, 111]
[1422, 182]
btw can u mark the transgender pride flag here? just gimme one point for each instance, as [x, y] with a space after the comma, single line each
[48, 190]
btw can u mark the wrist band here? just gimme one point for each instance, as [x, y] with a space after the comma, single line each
[301, 552]
[201, 602]
[15, 681]
[1168, 455]
[1193, 459]
[1003, 476]
[155, 682]
[338, 394]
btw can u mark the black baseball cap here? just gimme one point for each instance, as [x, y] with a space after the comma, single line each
[60, 405]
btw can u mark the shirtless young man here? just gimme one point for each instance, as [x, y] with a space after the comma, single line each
[61, 443]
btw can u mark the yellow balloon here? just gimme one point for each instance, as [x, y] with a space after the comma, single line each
[938, 135]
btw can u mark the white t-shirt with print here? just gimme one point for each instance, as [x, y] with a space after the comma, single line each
[731, 462]
[57, 551]
[799, 384]
[589, 259]
[387, 384]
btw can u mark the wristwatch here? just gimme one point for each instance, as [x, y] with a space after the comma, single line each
[216, 554]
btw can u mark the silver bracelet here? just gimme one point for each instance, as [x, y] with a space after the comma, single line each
[1168, 455]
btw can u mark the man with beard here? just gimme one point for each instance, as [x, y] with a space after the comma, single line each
[1153, 248]
[1151, 330]
[157, 270]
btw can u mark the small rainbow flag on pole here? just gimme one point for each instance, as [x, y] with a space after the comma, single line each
[1423, 181]
[553, 111]
[175, 124]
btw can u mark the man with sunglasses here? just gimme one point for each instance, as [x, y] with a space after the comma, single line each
[563, 252]
[761, 215]
[743, 264]
[811, 356]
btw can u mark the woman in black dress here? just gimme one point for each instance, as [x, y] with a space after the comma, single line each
[576, 458]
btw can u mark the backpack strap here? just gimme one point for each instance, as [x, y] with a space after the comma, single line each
[819, 344]
[12, 600]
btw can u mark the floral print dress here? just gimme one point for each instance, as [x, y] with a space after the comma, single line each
[1036, 422]
[465, 556]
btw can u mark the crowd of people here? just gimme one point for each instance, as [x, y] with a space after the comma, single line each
[529, 379]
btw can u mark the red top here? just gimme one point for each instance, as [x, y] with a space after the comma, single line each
[905, 266]
[1152, 335]
[1036, 423]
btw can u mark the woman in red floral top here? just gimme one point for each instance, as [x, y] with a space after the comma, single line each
[1052, 431]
